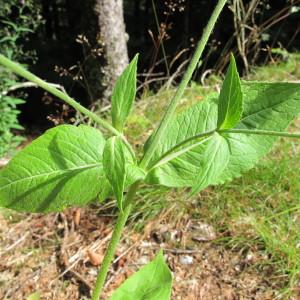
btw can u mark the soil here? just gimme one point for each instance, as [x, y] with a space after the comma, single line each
[58, 255]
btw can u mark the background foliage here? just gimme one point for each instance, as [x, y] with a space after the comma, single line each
[163, 32]
[18, 20]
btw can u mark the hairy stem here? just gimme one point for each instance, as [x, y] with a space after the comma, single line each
[262, 132]
[18, 69]
[110, 252]
[157, 135]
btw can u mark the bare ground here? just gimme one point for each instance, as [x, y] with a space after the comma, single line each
[58, 254]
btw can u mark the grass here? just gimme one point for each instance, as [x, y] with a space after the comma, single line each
[260, 210]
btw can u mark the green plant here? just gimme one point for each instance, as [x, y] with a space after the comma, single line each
[211, 142]
[8, 122]
[17, 20]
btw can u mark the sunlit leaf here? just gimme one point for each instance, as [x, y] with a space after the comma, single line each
[124, 95]
[230, 106]
[61, 168]
[151, 282]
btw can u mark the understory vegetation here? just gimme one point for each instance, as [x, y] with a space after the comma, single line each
[17, 22]
[256, 215]
[259, 211]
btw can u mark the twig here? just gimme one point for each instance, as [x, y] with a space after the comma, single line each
[21, 239]
[124, 253]
[204, 75]
[28, 84]
[65, 258]
[181, 251]
[174, 251]
[4, 162]
[17, 86]
[176, 73]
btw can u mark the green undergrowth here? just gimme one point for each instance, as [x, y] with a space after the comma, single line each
[260, 210]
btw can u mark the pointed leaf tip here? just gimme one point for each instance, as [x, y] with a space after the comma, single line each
[230, 107]
[152, 282]
[124, 94]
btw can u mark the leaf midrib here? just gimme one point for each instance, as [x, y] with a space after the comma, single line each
[229, 99]
[50, 173]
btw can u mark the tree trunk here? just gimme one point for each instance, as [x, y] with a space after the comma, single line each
[105, 29]
[114, 40]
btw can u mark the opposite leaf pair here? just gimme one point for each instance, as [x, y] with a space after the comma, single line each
[209, 143]
[64, 167]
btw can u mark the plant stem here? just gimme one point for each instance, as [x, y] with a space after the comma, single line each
[261, 132]
[157, 135]
[18, 69]
[110, 252]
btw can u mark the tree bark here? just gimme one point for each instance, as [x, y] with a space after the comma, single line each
[114, 39]
[105, 29]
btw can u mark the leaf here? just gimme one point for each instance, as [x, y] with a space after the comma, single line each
[34, 296]
[151, 282]
[133, 174]
[197, 167]
[114, 162]
[124, 95]
[215, 159]
[63, 167]
[230, 106]
[267, 106]
[106, 191]
[183, 171]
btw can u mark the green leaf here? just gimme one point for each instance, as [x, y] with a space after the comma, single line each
[133, 174]
[106, 191]
[151, 282]
[267, 106]
[124, 95]
[185, 169]
[34, 296]
[197, 165]
[230, 106]
[215, 158]
[61, 168]
[114, 162]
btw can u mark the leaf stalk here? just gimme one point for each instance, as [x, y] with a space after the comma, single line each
[262, 132]
[173, 153]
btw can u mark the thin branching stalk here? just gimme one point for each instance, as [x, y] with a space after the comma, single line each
[158, 134]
